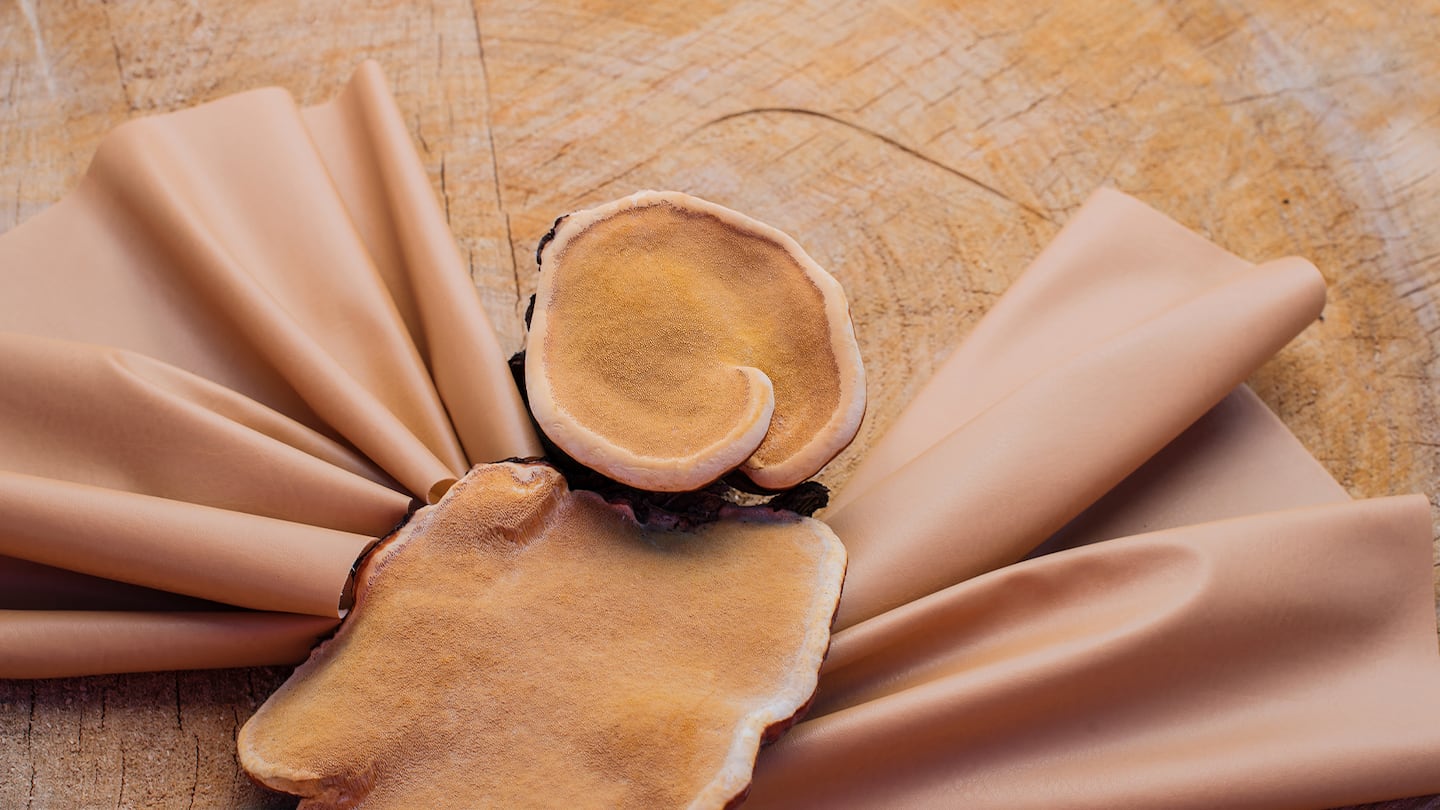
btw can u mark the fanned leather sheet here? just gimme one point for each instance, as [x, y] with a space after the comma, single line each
[1088, 567]
[1205, 619]
[231, 360]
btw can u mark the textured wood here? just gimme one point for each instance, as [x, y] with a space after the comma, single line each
[923, 151]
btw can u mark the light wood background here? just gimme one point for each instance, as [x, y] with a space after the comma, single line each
[923, 151]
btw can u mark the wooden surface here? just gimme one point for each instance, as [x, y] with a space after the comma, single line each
[922, 151]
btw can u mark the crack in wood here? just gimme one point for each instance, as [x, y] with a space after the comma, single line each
[445, 193]
[120, 797]
[195, 778]
[119, 66]
[494, 154]
[514, 260]
[30, 747]
[881, 137]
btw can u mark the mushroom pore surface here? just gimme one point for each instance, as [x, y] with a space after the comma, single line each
[522, 645]
[652, 312]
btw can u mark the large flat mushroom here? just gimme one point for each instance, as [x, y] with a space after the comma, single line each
[522, 645]
[674, 340]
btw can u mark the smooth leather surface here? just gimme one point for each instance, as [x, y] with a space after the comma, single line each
[1088, 567]
[1205, 619]
[229, 361]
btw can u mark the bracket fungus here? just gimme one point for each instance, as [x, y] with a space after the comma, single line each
[674, 340]
[519, 644]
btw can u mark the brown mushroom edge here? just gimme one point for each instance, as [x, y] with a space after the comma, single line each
[310, 736]
[682, 511]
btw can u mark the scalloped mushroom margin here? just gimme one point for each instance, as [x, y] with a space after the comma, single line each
[770, 720]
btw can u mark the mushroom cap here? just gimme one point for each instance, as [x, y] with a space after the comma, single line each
[519, 645]
[674, 340]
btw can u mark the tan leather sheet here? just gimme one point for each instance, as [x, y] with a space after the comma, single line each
[1205, 619]
[232, 357]
[1088, 567]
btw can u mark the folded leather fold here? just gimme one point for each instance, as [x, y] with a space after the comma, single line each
[217, 240]
[995, 487]
[55, 644]
[1246, 636]
[244, 247]
[366, 145]
[26, 585]
[1279, 660]
[110, 418]
[1116, 264]
[1236, 460]
[222, 555]
[230, 360]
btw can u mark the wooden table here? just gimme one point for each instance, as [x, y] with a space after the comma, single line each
[923, 151]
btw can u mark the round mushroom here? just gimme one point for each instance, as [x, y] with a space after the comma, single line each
[674, 340]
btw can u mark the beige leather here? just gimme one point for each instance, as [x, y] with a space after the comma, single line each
[1279, 660]
[231, 358]
[1205, 619]
[1088, 567]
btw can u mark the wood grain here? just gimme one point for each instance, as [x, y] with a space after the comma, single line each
[923, 151]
